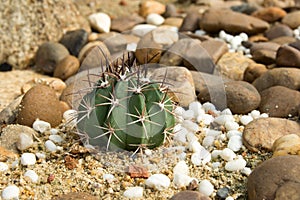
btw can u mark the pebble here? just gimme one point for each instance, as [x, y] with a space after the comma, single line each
[208, 141]
[285, 145]
[291, 19]
[190, 22]
[142, 29]
[74, 40]
[28, 159]
[181, 180]
[246, 170]
[246, 119]
[108, 177]
[25, 141]
[206, 188]
[100, 22]
[227, 154]
[125, 23]
[235, 165]
[158, 181]
[222, 119]
[201, 158]
[134, 192]
[235, 143]
[223, 192]
[231, 125]
[31, 175]
[190, 195]
[50, 146]
[3, 167]
[155, 19]
[10, 192]
[66, 67]
[148, 7]
[41, 126]
[181, 168]
[56, 138]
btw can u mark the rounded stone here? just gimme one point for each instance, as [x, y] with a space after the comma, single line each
[287, 144]
[74, 40]
[276, 178]
[278, 30]
[190, 22]
[190, 195]
[288, 56]
[147, 7]
[270, 14]
[66, 67]
[49, 55]
[292, 19]
[40, 102]
[254, 71]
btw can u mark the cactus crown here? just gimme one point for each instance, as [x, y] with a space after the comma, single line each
[125, 110]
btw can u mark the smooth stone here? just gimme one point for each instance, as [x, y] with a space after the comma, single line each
[271, 46]
[154, 19]
[270, 14]
[264, 56]
[32, 175]
[205, 187]
[235, 165]
[223, 192]
[9, 114]
[74, 40]
[254, 71]
[147, 7]
[25, 141]
[76, 196]
[287, 77]
[6, 154]
[190, 195]
[158, 181]
[125, 23]
[262, 132]
[66, 67]
[215, 48]
[134, 192]
[173, 21]
[48, 55]
[118, 43]
[245, 8]
[190, 22]
[171, 11]
[263, 182]
[40, 102]
[215, 20]
[284, 40]
[10, 192]
[295, 44]
[288, 56]
[28, 159]
[286, 145]
[100, 21]
[274, 101]
[278, 30]
[180, 82]
[292, 19]
[233, 65]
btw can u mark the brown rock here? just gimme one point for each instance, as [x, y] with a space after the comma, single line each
[264, 56]
[215, 48]
[215, 20]
[6, 154]
[284, 40]
[171, 11]
[261, 133]
[278, 30]
[269, 14]
[279, 101]
[173, 21]
[241, 97]
[254, 71]
[147, 7]
[190, 22]
[136, 171]
[288, 56]
[40, 102]
[70, 163]
[292, 19]
[76, 196]
[189, 195]
[286, 145]
[125, 23]
[287, 77]
[66, 67]
[270, 46]
[9, 114]
[118, 42]
[276, 178]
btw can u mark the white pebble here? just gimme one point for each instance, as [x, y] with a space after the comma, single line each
[227, 154]
[32, 176]
[70, 117]
[53, 131]
[142, 29]
[209, 106]
[24, 141]
[56, 138]
[222, 119]
[179, 110]
[196, 107]
[215, 165]
[50, 146]
[191, 126]
[222, 34]
[229, 198]
[131, 46]
[264, 115]
[181, 180]
[206, 188]
[155, 19]
[100, 21]
[3, 167]
[229, 134]
[226, 111]
[41, 126]
[231, 125]
[158, 181]
[211, 132]
[200, 32]
[180, 135]
[148, 152]
[134, 192]
[208, 141]
[235, 165]
[255, 114]
[244, 36]
[246, 170]
[191, 137]
[28, 159]
[236, 42]
[10, 192]
[221, 137]
[40, 155]
[195, 146]
[108, 177]
[15, 163]
[235, 143]
[205, 118]
[201, 158]
[181, 168]
[188, 114]
[216, 153]
[246, 119]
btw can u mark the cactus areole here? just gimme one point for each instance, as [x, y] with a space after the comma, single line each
[125, 111]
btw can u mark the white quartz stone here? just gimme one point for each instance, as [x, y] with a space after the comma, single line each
[41, 126]
[227, 154]
[142, 29]
[28, 159]
[154, 19]
[100, 22]
[231, 125]
[10, 192]
[246, 119]
[208, 141]
[134, 192]
[3, 167]
[158, 181]
[24, 141]
[235, 143]
[201, 158]
[181, 168]
[222, 119]
[56, 138]
[50, 146]
[206, 188]
[181, 180]
[32, 175]
[235, 165]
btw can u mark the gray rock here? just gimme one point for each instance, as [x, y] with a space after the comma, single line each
[261, 133]
[119, 42]
[279, 101]
[276, 178]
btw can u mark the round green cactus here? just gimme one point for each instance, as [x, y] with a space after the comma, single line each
[125, 111]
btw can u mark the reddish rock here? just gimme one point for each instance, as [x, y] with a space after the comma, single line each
[269, 14]
[136, 171]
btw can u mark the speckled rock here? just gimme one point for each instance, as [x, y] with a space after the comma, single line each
[292, 19]
[147, 7]
[49, 55]
[189, 195]
[262, 132]
[287, 77]
[279, 101]
[215, 20]
[40, 102]
[286, 145]
[254, 71]
[276, 178]
[66, 67]
[269, 14]
[288, 56]
[76, 196]
[241, 96]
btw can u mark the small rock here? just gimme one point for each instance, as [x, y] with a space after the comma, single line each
[134, 192]
[155, 19]
[5, 67]
[74, 40]
[10, 192]
[41, 126]
[190, 195]
[263, 181]
[119, 43]
[190, 22]
[200, 158]
[274, 101]
[173, 21]
[223, 192]
[286, 145]
[235, 143]
[28, 159]
[158, 181]
[142, 29]
[270, 14]
[291, 19]
[235, 165]
[100, 22]
[32, 176]
[206, 188]
[3, 167]
[25, 141]
[71, 163]
[66, 67]
[181, 180]
[147, 7]
[215, 48]
[70, 117]
[181, 168]
[171, 11]
[288, 56]
[278, 30]
[76, 196]
[56, 138]
[227, 154]
[49, 55]
[125, 23]
[254, 71]
[136, 171]
[50, 146]
[245, 119]
[262, 132]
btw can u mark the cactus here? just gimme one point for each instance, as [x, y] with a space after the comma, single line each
[125, 110]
